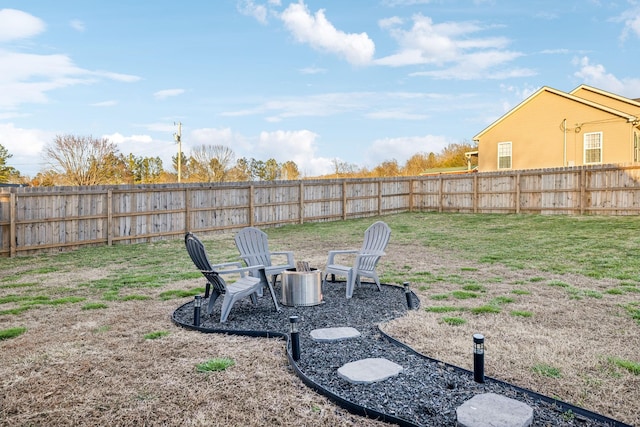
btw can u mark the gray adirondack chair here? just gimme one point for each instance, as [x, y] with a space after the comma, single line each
[376, 238]
[253, 246]
[245, 286]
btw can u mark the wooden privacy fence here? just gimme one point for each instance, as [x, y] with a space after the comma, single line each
[54, 218]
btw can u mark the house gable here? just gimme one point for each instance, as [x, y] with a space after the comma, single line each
[630, 106]
[549, 128]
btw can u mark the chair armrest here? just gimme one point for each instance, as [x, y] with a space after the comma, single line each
[241, 270]
[226, 264]
[332, 254]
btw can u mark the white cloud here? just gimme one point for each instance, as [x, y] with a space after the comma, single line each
[212, 136]
[16, 24]
[401, 149]
[24, 145]
[320, 34]
[77, 25]
[631, 19]
[119, 139]
[240, 145]
[396, 115]
[126, 78]
[451, 47]
[316, 105]
[109, 103]
[596, 75]
[145, 146]
[28, 77]
[249, 8]
[298, 146]
[166, 93]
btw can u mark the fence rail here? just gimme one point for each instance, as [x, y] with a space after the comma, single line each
[37, 219]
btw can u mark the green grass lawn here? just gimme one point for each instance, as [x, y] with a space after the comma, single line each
[598, 247]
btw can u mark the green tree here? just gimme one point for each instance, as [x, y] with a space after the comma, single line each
[184, 166]
[271, 170]
[257, 168]
[141, 170]
[6, 172]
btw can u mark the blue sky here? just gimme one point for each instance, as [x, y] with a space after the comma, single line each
[360, 81]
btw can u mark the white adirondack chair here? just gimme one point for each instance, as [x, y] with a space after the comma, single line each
[253, 246]
[376, 238]
[243, 287]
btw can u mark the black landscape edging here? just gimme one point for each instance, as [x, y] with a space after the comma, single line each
[563, 405]
[373, 414]
[343, 403]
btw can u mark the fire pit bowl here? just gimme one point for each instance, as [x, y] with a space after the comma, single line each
[301, 288]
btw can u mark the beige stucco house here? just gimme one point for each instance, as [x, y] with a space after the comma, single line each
[553, 129]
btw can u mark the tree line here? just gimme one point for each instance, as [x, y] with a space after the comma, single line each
[85, 160]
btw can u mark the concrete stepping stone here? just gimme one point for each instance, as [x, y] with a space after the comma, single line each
[334, 334]
[490, 409]
[367, 371]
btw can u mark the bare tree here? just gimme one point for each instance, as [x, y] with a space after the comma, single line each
[82, 160]
[210, 163]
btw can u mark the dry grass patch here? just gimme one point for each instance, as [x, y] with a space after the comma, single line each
[101, 367]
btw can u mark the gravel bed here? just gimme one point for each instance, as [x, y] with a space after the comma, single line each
[426, 393]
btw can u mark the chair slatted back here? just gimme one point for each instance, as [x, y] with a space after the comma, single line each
[253, 245]
[376, 238]
[198, 255]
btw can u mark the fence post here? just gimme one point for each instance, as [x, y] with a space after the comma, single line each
[187, 210]
[344, 200]
[475, 193]
[583, 184]
[379, 197]
[410, 195]
[301, 197]
[440, 195]
[251, 205]
[12, 225]
[109, 217]
[517, 201]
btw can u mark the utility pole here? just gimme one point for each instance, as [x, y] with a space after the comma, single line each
[178, 138]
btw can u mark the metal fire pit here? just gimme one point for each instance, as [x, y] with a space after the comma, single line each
[301, 288]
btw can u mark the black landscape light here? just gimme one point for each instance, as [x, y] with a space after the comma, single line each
[295, 338]
[197, 305]
[407, 294]
[478, 358]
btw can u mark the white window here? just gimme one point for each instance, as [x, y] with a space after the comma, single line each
[504, 155]
[592, 147]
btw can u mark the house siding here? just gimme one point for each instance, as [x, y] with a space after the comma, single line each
[535, 129]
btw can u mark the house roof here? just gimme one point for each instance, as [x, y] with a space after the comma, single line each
[622, 114]
[633, 102]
